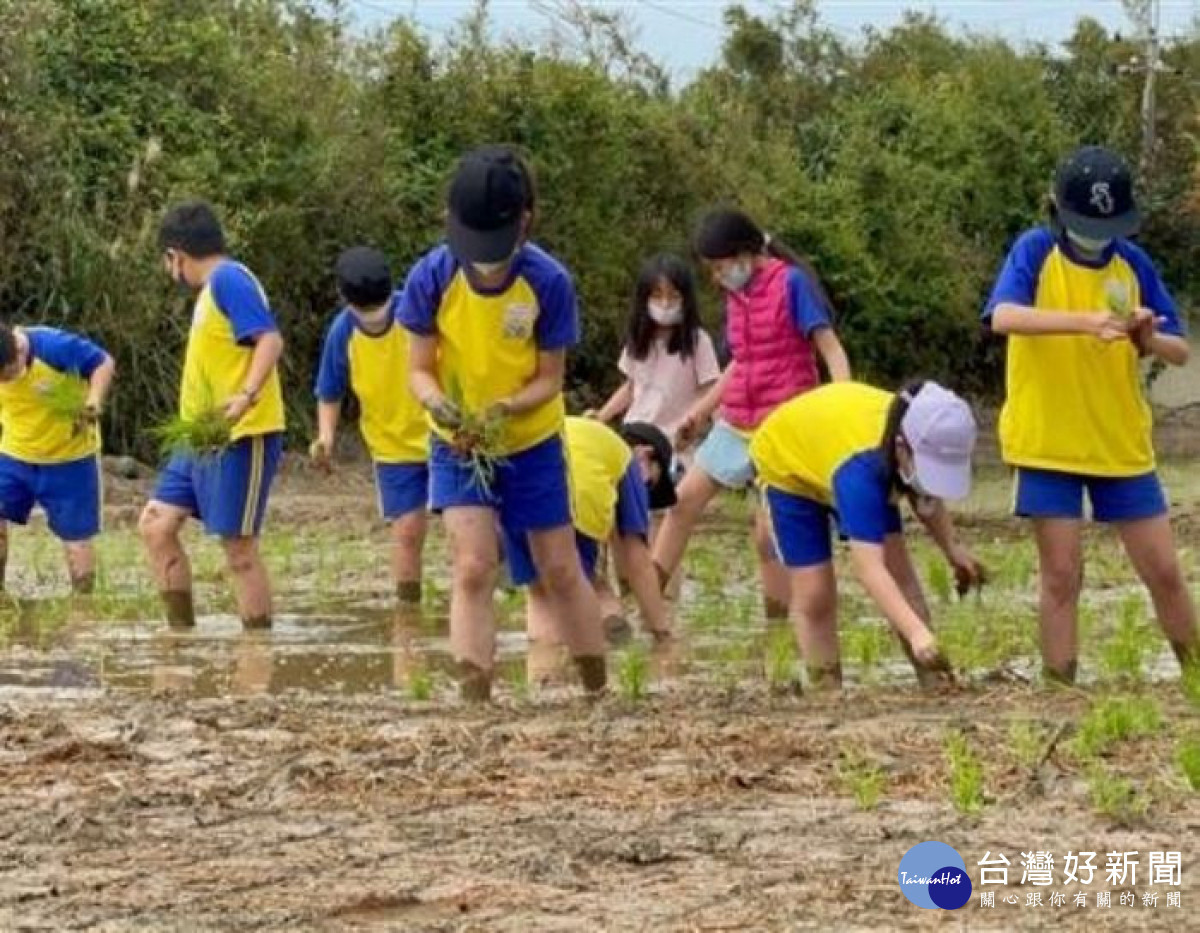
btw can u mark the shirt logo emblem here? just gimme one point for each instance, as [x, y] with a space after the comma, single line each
[518, 321]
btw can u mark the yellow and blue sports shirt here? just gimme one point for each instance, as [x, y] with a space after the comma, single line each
[231, 313]
[1074, 403]
[489, 340]
[29, 430]
[825, 445]
[375, 368]
[597, 459]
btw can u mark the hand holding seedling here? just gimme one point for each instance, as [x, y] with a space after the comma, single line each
[236, 408]
[321, 454]
[969, 573]
[445, 413]
[86, 419]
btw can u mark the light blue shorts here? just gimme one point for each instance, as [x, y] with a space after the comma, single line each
[725, 457]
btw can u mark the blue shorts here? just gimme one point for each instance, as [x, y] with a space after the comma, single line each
[530, 491]
[69, 494]
[227, 491]
[1051, 494]
[801, 528]
[725, 456]
[401, 488]
[632, 518]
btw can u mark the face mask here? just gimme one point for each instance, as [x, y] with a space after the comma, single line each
[489, 269]
[1087, 244]
[375, 320]
[666, 313]
[734, 279]
[924, 503]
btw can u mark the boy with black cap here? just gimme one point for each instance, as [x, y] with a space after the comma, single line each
[1080, 303]
[366, 352]
[231, 362]
[616, 479]
[492, 317]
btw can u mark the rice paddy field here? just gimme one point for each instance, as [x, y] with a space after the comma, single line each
[323, 776]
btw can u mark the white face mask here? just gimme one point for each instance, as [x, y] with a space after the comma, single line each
[924, 503]
[734, 278]
[1087, 244]
[375, 320]
[488, 269]
[666, 313]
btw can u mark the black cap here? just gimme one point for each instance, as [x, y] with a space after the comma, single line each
[488, 198]
[363, 277]
[1093, 190]
[640, 433]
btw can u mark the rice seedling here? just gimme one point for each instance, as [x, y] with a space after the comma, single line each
[205, 435]
[1115, 797]
[941, 583]
[1026, 740]
[633, 673]
[1187, 755]
[517, 677]
[1116, 719]
[867, 644]
[966, 774]
[420, 683]
[1189, 681]
[478, 438]
[780, 661]
[862, 778]
[66, 400]
[1118, 298]
[1123, 654]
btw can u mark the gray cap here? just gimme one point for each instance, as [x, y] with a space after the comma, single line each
[940, 430]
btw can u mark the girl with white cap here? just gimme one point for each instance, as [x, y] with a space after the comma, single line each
[849, 452]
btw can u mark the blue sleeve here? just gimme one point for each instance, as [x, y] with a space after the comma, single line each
[633, 503]
[860, 496]
[805, 307]
[1153, 291]
[241, 298]
[421, 295]
[68, 353]
[1018, 278]
[557, 325]
[333, 376]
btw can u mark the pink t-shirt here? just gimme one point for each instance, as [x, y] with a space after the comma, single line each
[665, 385]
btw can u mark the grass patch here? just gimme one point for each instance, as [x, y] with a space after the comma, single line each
[1026, 740]
[780, 660]
[1116, 797]
[862, 778]
[633, 673]
[1124, 653]
[420, 683]
[1187, 757]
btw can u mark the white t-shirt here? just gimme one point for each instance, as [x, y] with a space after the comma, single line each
[665, 385]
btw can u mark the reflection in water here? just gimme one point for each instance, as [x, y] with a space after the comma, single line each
[406, 656]
[253, 661]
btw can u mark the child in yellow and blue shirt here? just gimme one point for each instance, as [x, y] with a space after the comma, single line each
[1080, 304]
[492, 317]
[616, 479]
[45, 458]
[230, 364]
[848, 453]
[366, 352]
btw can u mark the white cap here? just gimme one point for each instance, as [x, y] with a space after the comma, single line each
[940, 429]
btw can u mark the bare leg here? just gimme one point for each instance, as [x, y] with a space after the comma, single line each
[159, 527]
[475, 554]
[1060, 580]
[1151, 548]
[251, 584]
[572, 601]
[775, 581]
[81, 565]
[695, 493]
[3, 554]
[814, 615]
[408, 541]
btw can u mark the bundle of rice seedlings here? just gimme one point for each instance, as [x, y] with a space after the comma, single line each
[478, 439]
[66, 400]
[206, 435]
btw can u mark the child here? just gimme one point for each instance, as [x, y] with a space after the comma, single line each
[233, 349]
[45, 458]
[777, 319]
[615, 480]
[366, 352]
[847, 451]
[492, 317]
[1079, 303]
[668, 359]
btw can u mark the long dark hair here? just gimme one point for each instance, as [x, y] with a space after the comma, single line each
[895, 417]
[726, 231]
[642, 327]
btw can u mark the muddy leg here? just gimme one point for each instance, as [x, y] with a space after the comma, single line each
[475, 553]
[814, 615]
[159, 527]
[81, 566]
[1060, 581]
[1151, 548]
[408, 541]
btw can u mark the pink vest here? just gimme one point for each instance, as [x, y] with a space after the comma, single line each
[775, 362]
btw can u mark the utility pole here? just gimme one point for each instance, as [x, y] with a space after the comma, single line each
[1153, 15]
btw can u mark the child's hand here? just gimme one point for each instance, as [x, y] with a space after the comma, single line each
[689, 430]
[444, 412]
[236, 407]
[968, 572]
[1107, 326]
[88, 418]
[321, 455]
[1142, 327]
[926, 651]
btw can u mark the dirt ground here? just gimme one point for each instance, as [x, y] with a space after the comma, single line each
[704, 807]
